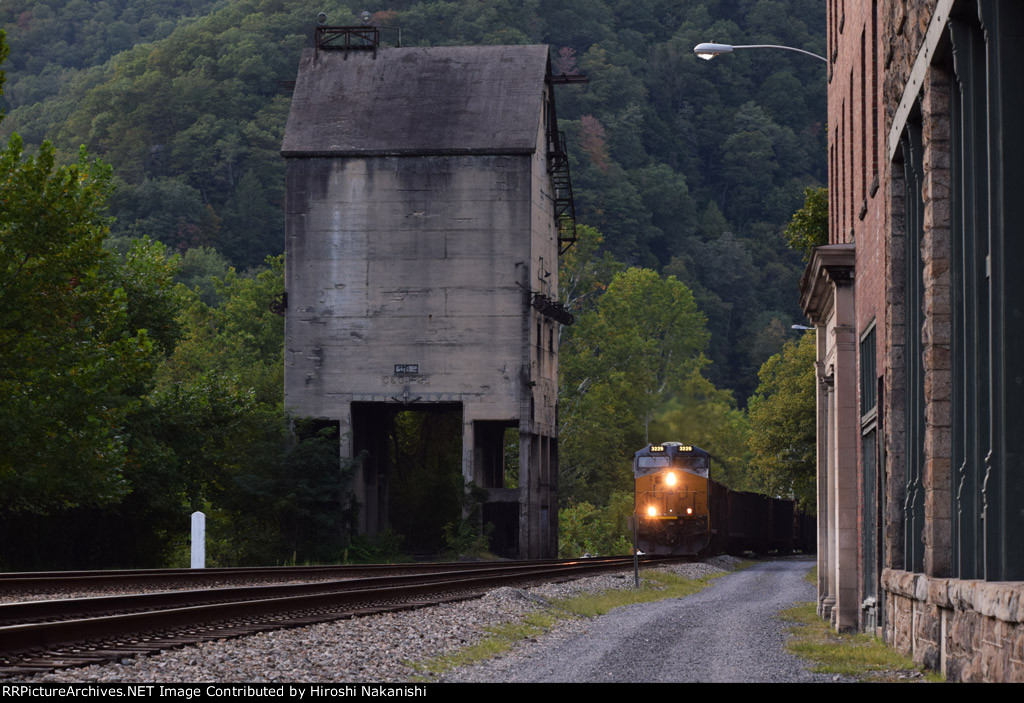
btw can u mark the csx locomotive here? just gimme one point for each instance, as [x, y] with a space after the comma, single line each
[680, 510]
[672, 498]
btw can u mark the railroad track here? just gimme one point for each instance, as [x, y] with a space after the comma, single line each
[41, 582]
[43, 635]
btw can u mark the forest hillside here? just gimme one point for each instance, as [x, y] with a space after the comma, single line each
[689, 167]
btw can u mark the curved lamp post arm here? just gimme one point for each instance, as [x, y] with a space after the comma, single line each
[709, 51]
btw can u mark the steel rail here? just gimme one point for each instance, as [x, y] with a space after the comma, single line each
[24, 647]
[78, 608]
[36, 581]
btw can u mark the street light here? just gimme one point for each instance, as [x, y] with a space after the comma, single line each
[800, 327]
[708, 51]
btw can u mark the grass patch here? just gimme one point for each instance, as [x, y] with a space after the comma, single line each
[859, 655]
[500, 639]
[654, 586]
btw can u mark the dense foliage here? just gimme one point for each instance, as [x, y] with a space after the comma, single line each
[631, 372]
[639, 346]
[52, 41]
[688, 167]
[69, 353]
[128, 401]
[809, 226]
[142, 368]
[782, 424]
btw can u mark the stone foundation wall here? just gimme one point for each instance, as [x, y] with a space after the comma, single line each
[972, 631]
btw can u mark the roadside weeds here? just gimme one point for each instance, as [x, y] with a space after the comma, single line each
[861, 656]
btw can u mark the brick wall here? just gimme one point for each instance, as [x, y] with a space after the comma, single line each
[973, 630]
[858, 170]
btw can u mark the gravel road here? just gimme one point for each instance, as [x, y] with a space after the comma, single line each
[728, 632]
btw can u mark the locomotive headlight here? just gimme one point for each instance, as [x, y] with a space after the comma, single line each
[670, 478]
[689, 511]
[652, 511]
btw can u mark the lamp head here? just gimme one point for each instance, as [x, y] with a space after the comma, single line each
[708, 51]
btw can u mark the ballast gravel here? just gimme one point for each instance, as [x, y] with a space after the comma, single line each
[381, 648]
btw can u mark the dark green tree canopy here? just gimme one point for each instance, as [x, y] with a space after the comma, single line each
[70, 360]
[668, 152]
[809, 226]
[783, 424]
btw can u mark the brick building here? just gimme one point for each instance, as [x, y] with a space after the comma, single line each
[920, 332]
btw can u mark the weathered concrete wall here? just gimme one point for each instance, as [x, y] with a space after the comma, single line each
[419, 225]
[429, 261]
[538, 446]
[543, 279]
[395, 260]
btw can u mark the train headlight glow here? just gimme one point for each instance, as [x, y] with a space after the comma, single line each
[689, 511]
[652, 511]
[670, 479]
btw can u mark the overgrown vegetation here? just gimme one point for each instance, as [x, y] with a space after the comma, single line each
[384, 548]
[142, 365]
[689, 168]
[129, 401]
[860, 655]
[587, 529]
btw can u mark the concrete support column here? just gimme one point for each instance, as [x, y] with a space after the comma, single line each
[346, 453]
[529, 484]
[825, 599]
[545, 499]
[553, 496]
[832, 584]
[827, 298]
[538, 498]
[843, 484]
[468, 444]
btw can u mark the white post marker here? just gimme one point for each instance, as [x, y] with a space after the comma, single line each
[198, 540]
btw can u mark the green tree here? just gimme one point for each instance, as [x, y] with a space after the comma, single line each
[200, 268]
[240, 342]
[625, 358]
[783, 428]
[706, 416]
[585, 272]
[146, 274]
[71, 367]
[809, 226]
[584, 528]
